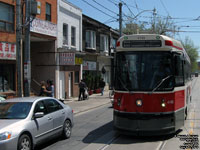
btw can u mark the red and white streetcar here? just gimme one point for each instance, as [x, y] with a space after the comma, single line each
[152, 84]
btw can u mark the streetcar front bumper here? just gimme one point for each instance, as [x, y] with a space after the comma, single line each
[144, 124]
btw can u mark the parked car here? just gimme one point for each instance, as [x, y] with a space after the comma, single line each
[26, 122]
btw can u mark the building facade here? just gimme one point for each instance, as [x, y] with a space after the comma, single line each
[69, 48]
[43, 37]
[7, 48]
[99, 42]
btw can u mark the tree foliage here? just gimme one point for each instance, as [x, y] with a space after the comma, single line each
[192, 52]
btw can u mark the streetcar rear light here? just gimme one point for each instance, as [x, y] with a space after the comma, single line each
[168, 43]
[139, 102]
[163, 104]
[118, 43]
[118, 101]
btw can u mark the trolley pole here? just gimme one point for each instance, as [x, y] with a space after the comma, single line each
[27, 61]
[18, 47]
[120, 19]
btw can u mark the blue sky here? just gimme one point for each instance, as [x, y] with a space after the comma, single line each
[184, 13]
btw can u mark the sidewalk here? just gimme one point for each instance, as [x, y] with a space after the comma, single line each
[94, 101]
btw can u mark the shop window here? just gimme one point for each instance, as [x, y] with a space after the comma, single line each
[73, 36]
[7, 81]
[6, 17]
[48, 12]
[104, 43]
[77, 77]
[90, 39]
[65, 34]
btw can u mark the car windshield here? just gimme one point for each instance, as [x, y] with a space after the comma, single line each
[143, 71]
[14, 110]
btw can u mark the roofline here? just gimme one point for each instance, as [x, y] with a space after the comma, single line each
[65, 1]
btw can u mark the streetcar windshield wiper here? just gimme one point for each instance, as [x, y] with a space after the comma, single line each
[160, 83]
[124, 86]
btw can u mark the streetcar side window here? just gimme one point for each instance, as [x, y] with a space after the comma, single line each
[179, 75]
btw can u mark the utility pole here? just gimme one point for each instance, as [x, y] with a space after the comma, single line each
[27, 61]
[120, 19]
[18, 47]
[154, 20]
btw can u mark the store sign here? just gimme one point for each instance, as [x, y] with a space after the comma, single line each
[78, 61]
[67, 58]
[89, 65]
[7, 51]
[43, 27]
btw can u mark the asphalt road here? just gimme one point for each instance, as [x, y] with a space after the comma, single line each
[89, 126]
[93, 130]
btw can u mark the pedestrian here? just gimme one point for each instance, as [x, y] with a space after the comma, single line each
[82, 87]
[50, 88]
[102, 85]
[42, 89]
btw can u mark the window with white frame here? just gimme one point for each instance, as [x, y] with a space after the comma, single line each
[73, 36]
[104, 43]
[90, 39]
[65, 34]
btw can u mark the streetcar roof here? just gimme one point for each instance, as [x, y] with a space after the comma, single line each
[149, 42]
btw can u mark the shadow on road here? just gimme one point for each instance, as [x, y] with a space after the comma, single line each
[97, 133]
[119, 138]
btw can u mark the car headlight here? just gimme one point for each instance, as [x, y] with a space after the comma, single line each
[5, 136]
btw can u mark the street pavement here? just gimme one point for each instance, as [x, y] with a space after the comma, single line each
[94, 101]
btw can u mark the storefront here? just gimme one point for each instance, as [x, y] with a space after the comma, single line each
[7, 68]
[69, 74]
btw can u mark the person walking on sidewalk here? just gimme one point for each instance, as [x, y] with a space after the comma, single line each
[102, 85]
[82, 87]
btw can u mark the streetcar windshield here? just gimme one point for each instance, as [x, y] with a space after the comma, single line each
[143, 71]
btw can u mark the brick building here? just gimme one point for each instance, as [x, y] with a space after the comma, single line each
[7, 48]
[43, 45]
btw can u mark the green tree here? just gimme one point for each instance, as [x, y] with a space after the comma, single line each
[192, 52]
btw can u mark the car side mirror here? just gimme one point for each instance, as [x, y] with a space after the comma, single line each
[38, 115]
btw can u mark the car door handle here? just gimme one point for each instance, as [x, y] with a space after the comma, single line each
[49, 118]
[63, 112]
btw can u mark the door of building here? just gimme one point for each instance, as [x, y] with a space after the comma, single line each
[70, 84]
[62, 85]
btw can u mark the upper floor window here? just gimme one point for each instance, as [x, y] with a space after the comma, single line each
[48, 11]
[114, 43]
[73, 36]
[90, 39]
[6, 17]
[65, 34]
[104, 43]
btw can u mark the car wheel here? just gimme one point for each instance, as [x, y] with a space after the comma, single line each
[24, 143]
[67, 129]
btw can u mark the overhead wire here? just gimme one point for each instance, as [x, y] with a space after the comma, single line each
[104, 7]
[98, 9]
[164, 7]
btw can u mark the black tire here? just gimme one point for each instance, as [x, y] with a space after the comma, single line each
[67, 129]
[24, 143]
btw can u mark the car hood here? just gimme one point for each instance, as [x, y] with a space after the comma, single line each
[8, 123]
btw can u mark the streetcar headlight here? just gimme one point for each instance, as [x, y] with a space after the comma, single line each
[139, 102]
[163, 104]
